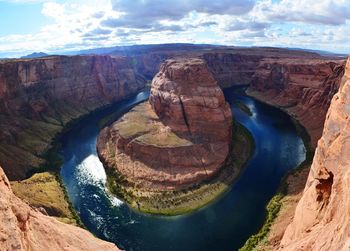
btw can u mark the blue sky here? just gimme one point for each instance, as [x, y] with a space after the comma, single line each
[57, 26]
[21, 18]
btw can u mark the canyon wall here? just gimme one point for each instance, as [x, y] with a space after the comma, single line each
[25, 228]
[321, 220]
[38, 97]
[232, 68]
[302, 87]
[302, 83]
[179, 138]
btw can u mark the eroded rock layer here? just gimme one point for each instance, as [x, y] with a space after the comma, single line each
[24, 228]
[282, 77]
[302, 87]
[301, 82]
[38, 97]
[321, 220]
[177, 139]
[186, 98]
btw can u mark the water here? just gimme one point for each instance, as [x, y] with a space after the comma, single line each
[223, 225]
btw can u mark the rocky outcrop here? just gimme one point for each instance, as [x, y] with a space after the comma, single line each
[300, 82]
[38, 97]
[186, 97]
[302, 87]
[229, 65]
[232, 68]
[321, 220]
[179, 138]
[24, 228]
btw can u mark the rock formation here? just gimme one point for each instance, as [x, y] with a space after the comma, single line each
[302, 87]
[321, 220]
[177, 139]
[38, 97]
[302, 83]
[186, 97]
[232, 68]
[24, 228]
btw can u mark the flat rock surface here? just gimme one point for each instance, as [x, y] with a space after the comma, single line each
[179, 138]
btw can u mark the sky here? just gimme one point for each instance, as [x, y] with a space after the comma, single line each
[57, 26]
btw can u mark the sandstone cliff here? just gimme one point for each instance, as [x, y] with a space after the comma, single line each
[321, 220]
[24, 228]
[176, 141]
[232, 68]
[302, 87]
[302, 83]
[186, 97]
[180, 137]
[38, 97]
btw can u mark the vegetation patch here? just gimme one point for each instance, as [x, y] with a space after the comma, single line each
[45, 190]
[272, 209]
[32, 154]
[276, 203]
[186, 200]
[143, 125]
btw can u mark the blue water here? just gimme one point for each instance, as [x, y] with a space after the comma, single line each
[223, 225]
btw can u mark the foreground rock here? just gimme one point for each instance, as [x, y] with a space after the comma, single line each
[44, 190]
[302, 87]
[178, 139]
[24, 228]
[321, 220]
[38, 97]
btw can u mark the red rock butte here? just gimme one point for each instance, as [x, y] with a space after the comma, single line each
[179, 138]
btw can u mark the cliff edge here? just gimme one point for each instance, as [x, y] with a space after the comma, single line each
[321, 220]
[175, 142]
[39, 97]
[24, 228]
[302, 87]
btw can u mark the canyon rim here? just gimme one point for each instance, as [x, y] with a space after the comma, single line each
[174, 125]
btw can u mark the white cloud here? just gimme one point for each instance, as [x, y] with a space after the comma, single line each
[81, 24]
[324, 12]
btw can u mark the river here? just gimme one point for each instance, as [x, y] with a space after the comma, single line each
[223, 225]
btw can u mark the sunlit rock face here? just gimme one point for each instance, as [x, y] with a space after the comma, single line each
[186, 97]
[302, 87]
[38, 97]
[179, 138]
[302, 83]
[321, 220]
[24, 228]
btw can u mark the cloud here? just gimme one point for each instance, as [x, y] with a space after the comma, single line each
[247, 25]
[323, 12]
[98, 31]
[83, 24]
[144, 14]
[176, 9]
